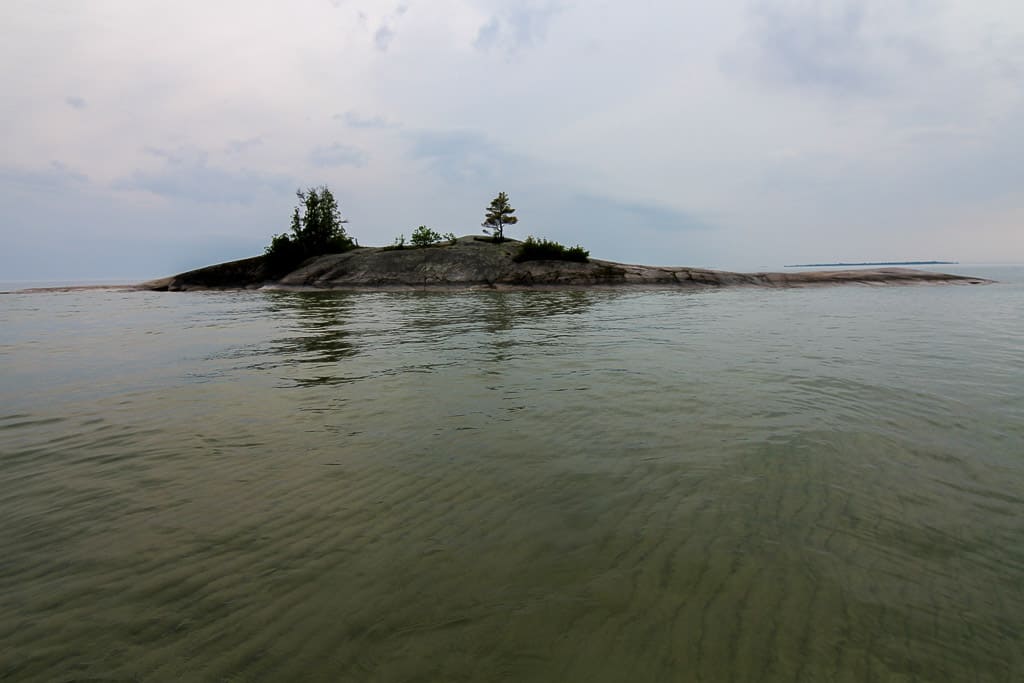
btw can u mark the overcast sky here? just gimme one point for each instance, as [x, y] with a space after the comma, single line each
[143, 138]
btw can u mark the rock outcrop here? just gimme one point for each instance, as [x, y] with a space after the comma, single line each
[476, 262]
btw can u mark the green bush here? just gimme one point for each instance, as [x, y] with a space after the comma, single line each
[424, 237]
[283, 255]
[421, 237]
[547, 250]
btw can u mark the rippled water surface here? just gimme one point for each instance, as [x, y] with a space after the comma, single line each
[745, 485]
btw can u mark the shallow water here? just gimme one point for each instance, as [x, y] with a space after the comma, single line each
[745, 485]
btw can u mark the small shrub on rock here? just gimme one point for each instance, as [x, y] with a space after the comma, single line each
[548, 250]
[424, 237]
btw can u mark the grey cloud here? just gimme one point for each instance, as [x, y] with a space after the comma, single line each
[936, 169]
[814, 48]
[461, 155]
[982, 172]
[354, 120]
[63, 225]
[338, 155]
[826, 45]
[186, 174]
[55, 176]
[383, 37]
[75, 102]
[620, 216]
[615, 228]
[487, 36]
[385, 33]
[239, 146]
[1006, 54]
[529, 25]
[562, 211]
[517, 27]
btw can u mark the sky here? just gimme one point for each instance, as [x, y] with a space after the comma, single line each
[143, 138]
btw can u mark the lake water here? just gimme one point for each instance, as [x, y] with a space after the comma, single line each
[736, 485]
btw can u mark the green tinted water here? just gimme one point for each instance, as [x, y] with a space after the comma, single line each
[726, 486]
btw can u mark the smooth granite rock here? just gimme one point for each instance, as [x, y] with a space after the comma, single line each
[474, 262]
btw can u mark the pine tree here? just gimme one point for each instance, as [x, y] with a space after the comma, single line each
[499, 214]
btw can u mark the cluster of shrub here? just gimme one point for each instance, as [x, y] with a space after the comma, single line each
[422, 237]
[547, 250]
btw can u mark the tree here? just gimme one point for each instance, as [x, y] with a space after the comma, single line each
[499, 214]
[320, 229]
[317, 229]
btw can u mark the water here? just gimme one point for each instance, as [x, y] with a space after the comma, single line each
[738, 485]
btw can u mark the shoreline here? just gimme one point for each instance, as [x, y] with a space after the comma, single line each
[761, 280]
[471, 263]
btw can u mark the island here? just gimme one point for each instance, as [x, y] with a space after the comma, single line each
[478, 262]
[872, 263]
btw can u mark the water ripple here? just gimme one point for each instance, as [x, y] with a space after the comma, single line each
[784, 485]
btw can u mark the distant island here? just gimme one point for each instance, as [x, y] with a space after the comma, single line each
[873, 263]
[318, 253]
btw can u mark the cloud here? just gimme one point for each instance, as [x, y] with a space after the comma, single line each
[623, 216]
[517, 27]
[462, 155]
[338, 155]
[60, 224]
[619, 229]
[820, 47]
[487, 36]
[240, 146]
[385, 33]
[75, 102]
[354, 120]
[844, 46]
[383, 37]
[187, 175]
[470, 160]
[55, 176]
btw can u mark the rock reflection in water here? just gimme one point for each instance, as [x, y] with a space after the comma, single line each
[319, 332]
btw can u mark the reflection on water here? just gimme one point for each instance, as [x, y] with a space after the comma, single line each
[745, 486]
[319, 327]
[323, 329]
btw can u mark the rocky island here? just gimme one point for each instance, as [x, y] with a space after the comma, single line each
[480, 262]
[318, 253]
